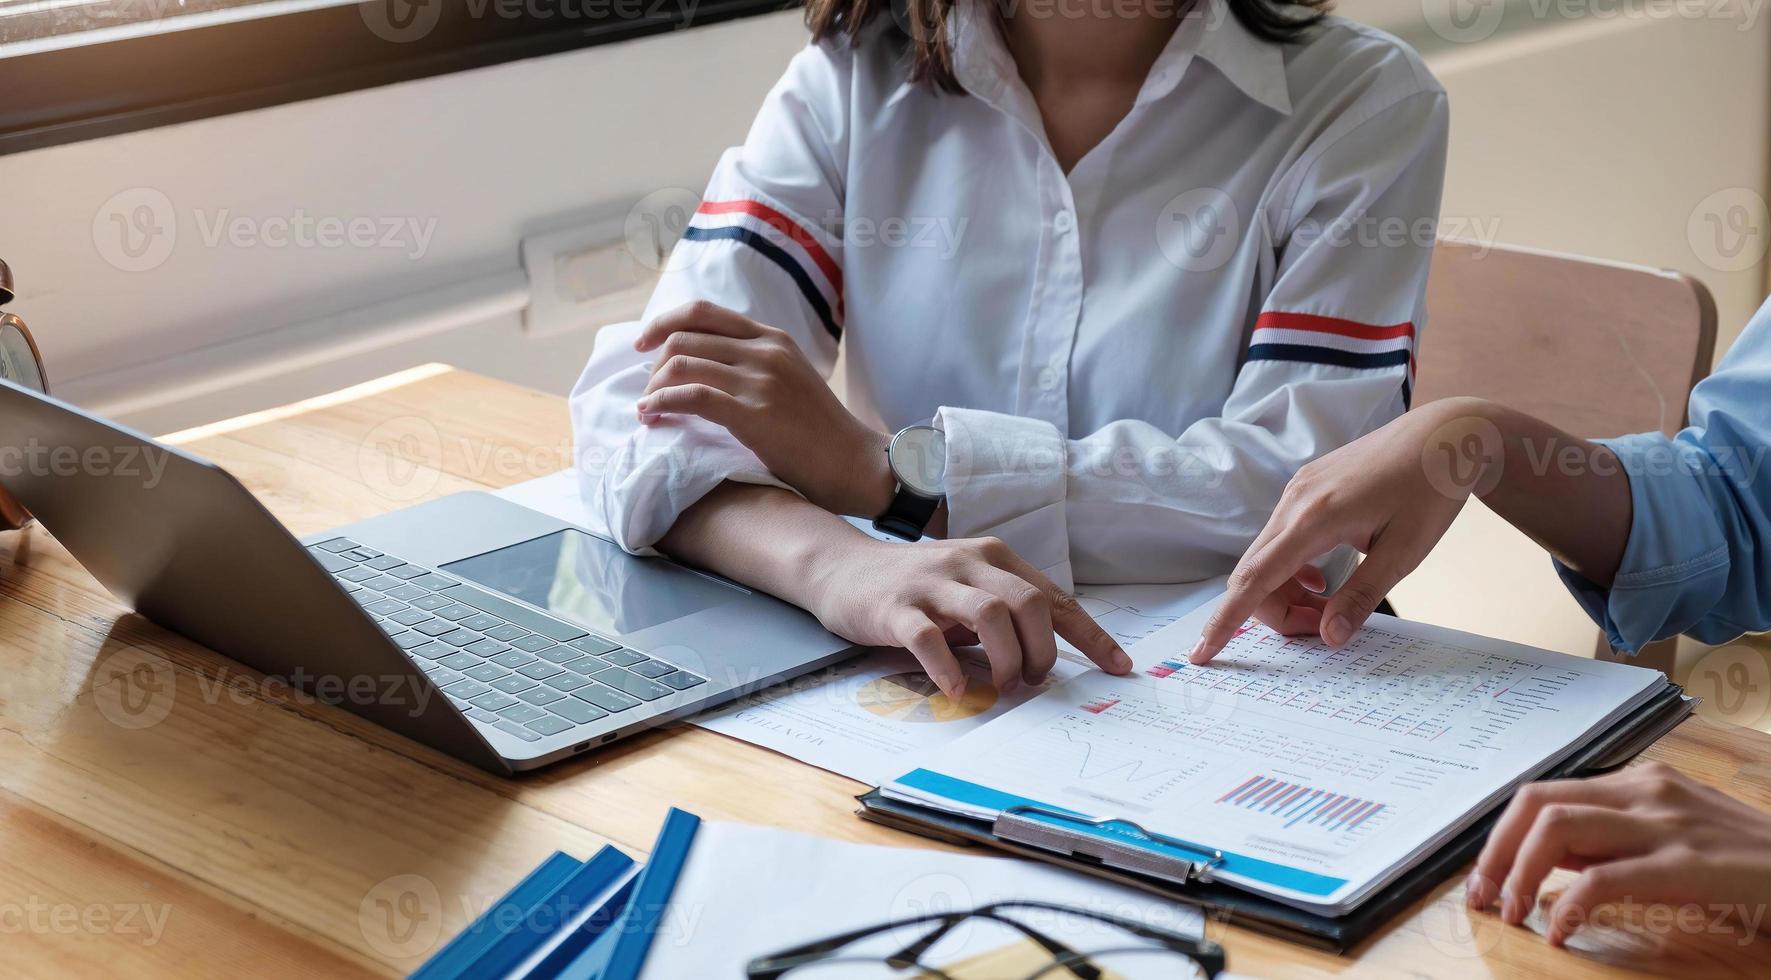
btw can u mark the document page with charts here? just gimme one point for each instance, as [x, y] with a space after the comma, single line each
[1320, 774]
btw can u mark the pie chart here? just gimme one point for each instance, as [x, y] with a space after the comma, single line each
[915, 698]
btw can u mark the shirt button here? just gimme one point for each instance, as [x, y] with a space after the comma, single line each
[1063, 222]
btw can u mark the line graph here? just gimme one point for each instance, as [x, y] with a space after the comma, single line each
[1116, 751]
[1128, 621]
[1111, 747]
[1130, 770]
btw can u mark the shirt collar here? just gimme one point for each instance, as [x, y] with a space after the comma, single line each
[981, 60]
[1208, 32]
[1255, 66]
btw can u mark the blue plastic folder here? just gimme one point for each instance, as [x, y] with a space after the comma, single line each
[631, 938]
[562, 907]
[590, 920]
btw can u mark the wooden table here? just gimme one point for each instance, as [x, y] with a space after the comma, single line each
[164, 810]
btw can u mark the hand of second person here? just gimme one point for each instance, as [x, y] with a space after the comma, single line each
[1374, 494]
[754, 380]
[1647, 836]
[927, 597]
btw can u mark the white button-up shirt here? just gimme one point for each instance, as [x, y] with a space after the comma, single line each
[1130, 360]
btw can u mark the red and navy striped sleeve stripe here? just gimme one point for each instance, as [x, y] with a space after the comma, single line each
[1312, 339]
[783, 241]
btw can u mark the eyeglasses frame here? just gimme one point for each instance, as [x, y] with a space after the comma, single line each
[1207, 954]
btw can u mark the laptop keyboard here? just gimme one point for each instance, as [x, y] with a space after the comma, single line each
[504, 665]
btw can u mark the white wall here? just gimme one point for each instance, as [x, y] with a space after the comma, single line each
[1621, 138]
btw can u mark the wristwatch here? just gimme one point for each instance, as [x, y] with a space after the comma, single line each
[917, 456]
[21, 364]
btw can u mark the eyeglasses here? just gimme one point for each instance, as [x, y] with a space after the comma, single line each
[1115, 949]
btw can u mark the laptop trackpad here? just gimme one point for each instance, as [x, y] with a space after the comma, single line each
[586, 580]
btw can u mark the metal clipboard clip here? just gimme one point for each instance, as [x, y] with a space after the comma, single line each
[1127, 849]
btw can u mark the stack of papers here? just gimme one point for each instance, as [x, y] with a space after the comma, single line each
[1321, 775]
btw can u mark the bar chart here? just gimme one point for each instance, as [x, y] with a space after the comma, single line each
[1296, 806]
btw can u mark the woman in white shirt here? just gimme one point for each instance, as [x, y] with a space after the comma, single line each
[1135, 262]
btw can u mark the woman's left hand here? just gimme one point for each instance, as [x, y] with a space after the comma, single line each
[754, 380]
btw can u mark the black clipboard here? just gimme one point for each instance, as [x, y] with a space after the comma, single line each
[1188, 879]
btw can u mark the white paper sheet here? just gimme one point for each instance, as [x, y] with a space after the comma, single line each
[1318, 772]
[752, 891]
[1133, 613]
[869, 718]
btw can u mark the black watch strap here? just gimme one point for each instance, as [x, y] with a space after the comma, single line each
[908, 515]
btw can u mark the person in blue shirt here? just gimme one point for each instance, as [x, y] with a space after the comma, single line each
[1655, 537]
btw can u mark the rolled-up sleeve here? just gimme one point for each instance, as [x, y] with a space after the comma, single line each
[1330, 358]
[760, 243]
[1008, 477]
[1697, 561]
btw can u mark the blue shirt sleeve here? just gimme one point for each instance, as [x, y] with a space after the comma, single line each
[1697, 560]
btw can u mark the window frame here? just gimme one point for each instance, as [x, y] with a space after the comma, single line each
[70, 92]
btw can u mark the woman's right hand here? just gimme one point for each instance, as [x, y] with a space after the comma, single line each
[930, 596]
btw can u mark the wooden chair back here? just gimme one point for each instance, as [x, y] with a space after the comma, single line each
[1597, 348]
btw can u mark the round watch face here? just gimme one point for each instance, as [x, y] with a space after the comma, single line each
[919, 460]
[18, 360]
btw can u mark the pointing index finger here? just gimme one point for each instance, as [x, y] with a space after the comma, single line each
[1257, 576]
[1071, 621]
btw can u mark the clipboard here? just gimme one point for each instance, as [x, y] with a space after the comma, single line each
[1181, 870]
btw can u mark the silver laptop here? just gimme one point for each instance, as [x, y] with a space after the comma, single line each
[499, 635]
